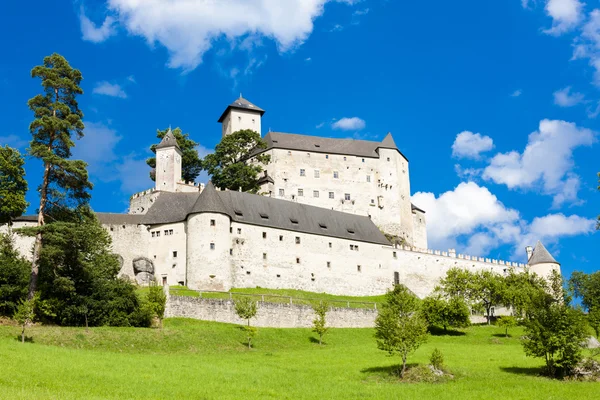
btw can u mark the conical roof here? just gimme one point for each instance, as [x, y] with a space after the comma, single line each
[210, 201]
[541, 255]
[388, 142]
[168, 141]
[241, 104]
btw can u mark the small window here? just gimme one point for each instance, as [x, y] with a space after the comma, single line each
[302, 172]
[395, 255]
[330, 245]
[239, 118]
[358, 268]
[297, 260]
[363, 160]
[170, 231]
[166, 232]
[331, 195]
[173, 266]
[294, 221]
[239, 231]
[396, 278]
[300, 192]
[327, 156]
[344, 158]
[351, 247]
[297, 239]
[388, 159]
[281, 238]
[307, 154]
[368, 178]
[231, 229]
[212, 246]
[289, 153]
[174, 254]
[230, 252]
[336, 174]
[264, 216]
[252, 120]
[356, 247]
[328, 264]
[264, 256]
[322, 225]
[281, 192]
[347, 196]
[153, 234]
[264, 235]
[372, 201]
[157, 233]
[317, 173]
[212, 222]
[315, 193]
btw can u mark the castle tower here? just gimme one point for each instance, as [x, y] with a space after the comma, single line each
[168, 163]
[239, 115]
[540, 261]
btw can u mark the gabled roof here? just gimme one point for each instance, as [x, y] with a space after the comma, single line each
[168, 140]
[317, 144]
[241, 104]
[209, 201]
[541, 255]
[415, 208]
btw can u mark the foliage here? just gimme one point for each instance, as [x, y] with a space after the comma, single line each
[553, 330]
[57, 118]
[488, 290]
[399, 326]
[437, 359]
[594, 320]
[191, 164]
[14, 276]
[507, 321]
[586, 287]
[442, 312]
[246, 308]
[24, 315]
[521, 289]
[319, 327]
[232, 166]
[13, 185]
[457, 283]
[157, 302]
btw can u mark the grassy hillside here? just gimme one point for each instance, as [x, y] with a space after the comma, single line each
[205, 360]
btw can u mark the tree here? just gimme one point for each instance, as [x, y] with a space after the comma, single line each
[587, 288]
[13, 185]
[319, 327]
[507, 321]
[57, 119]
[246, 309]
[399, 327]
[457, 283]
[14, 276]
[594, 320]
[24, 316]
[553, 330]
[442, 312]
[233, 165]
[488, 289]
[157, 301]
[520, 290]
[191, 164]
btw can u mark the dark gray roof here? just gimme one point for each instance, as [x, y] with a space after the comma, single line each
[264, 211]
[241, 104]
[317, 144]
[168, 140]
[541, 255]
[413, 208]
[26, 218]
[104, 218]
[266, 178]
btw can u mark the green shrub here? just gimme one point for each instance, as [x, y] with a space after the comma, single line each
[437, 359]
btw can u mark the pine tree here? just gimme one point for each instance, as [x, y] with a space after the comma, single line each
[191, 164]
[57, 119]
[13, 185]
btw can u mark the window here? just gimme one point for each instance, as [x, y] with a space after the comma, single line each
[302, 172]
[230, 252]
[388, 159]
[307, 154]
[330, 244]
[317, 173]
[153, 234]
[336, 174]
[395, 255]
[264, 256]
[252, 120]
[358, 268]
[347, 196]
[174, 254]
[264, 235]
[344, 158]
[396, 278]
[212, 222]
[281, 192]
[363, 160]
[327, 156]
[166, 232]
[170, 231]
[231, 229]
[289, 153]
[173, 266]
[351, 247]
[281, 238]
[328, 264]
[239, 231]
[331, 195]
[157, 233]
[368, 178]
[356, 247]
[315, 193]
[300, 192]
[297, 239]
[212, 246]
[372, 201]
[240, 119]
[297, 260]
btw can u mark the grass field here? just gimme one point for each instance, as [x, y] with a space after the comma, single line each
[204, 360]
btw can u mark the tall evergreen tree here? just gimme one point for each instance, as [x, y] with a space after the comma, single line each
[191, 164]
[13, 185]
[57, 119]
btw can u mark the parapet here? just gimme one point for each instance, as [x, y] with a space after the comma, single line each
[142, 194]
[451, 253]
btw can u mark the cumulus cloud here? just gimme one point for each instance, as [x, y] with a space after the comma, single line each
[565, 14]
[189, 28]
[349, 124]
[110, 89]
[96, 34]
[546, 162]
[516, 93]
[471, 145]
[13, 141]
[565, 98]
[472, 219]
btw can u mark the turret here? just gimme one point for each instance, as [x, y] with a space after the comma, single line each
[168, 163]
[239, 115]
[540, 261]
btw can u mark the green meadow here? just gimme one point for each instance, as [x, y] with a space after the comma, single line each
[206, 360]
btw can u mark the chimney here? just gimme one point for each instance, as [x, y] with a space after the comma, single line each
[529, 251]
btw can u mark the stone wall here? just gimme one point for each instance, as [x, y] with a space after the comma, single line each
[269, 314]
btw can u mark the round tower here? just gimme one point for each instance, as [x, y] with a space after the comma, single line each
[540, 261]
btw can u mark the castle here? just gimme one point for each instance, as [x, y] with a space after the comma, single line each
[334, 215]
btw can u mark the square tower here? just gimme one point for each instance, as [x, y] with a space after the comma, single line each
[168, 163]
[240, 115]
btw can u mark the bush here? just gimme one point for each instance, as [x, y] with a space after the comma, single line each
[437, 359]
[506, 321]
[157, 302]
[14, 277]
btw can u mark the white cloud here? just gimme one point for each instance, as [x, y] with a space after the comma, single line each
[110, 89]
[516, 93]
[188, 29]
[133, 173]
[319, 126]
[92, 33]
[564, 97]
[349, 124]
[472, 219]
[471, 145]
[566, 15]
[14, 141]
[547, 161]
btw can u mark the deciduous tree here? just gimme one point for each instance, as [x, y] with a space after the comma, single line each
[246, 308]
[13, 185]
[24, 316]
[442, 312]
[488, 289]
[235, 163]
[319, 327]
[506, 322]
[57, 120]
[191, 164]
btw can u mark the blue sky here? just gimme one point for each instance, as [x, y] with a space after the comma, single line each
[494, 103]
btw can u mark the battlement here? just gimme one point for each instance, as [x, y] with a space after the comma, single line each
[142, 194]
[451, 253]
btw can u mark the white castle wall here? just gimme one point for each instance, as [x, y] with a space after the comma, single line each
[168, 252]
[141, 202]
[23, 244]
[130, 242]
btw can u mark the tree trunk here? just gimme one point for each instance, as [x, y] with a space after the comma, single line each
[23, 334]
[86, 324]
[403, 366]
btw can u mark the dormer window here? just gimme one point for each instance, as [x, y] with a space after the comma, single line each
[238, 213]
[264, 216]
[350, 231]
[317, 145]
[294, 221]
[322, 225]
